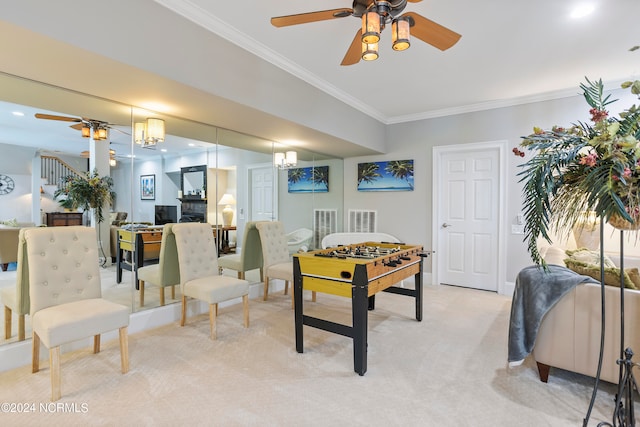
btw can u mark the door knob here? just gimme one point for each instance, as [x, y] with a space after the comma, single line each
[445, 225]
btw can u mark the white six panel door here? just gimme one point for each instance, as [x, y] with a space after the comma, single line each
[468, 217]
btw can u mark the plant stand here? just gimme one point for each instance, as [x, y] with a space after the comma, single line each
[623, 413]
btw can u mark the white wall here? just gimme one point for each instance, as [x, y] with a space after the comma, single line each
[407, 215]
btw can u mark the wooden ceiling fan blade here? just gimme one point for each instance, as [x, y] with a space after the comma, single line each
[431, 32]
[305, 18]
[354, 53]
[414, 1]
[61, 118]
[77, 126]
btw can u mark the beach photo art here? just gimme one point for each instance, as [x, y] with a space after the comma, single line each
[393, 175]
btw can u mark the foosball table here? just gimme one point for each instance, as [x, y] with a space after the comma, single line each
[357, 271]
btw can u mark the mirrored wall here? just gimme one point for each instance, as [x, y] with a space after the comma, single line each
[195, 172]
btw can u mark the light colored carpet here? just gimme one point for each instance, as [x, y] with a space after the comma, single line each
[448, 370]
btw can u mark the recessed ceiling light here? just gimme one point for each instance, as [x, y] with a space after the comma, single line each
[191, 144]
[164, 150]
[18, 113]
[582, 10]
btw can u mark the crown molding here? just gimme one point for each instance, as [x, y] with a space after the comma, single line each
[210, 22]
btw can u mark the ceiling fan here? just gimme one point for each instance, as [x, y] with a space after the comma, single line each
[375, 15]
[83, 124]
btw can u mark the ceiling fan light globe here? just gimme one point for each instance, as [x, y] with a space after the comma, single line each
[369, 51]
[400, 34]
[86, 131]
[102, 133]
[370, 28]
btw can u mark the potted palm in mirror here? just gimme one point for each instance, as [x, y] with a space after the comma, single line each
[587, 167]
[88, 191]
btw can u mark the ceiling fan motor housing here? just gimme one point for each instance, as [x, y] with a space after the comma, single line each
[384, 8]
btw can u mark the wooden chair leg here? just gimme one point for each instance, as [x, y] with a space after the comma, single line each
[35, 353]
[141, 286]
[54, 367]
[241, 275]
[21, 334]
[543, 371]
[266, 289]
[161, 295]
[96, 344]
[183, 315]
[212, 320]
[7, 322]
[245, 306]
[173, 291]
[261, 275]
[286, 287]
[313, 296]
[124, 349]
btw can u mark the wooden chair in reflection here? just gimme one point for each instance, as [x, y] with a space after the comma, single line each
[199, 275]
[166, 272]
[66, 297]
[250, 256]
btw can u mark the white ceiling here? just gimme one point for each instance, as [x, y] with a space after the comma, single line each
[511, 51]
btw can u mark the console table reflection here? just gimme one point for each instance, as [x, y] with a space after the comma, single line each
[59, 219]
[223, 240]
[143, 246]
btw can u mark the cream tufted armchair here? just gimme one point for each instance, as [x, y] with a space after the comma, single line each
[199, 278]
[66, 297]
[166, 272]
[275, 251]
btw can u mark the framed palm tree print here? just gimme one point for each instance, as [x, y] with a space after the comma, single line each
[308, 180]
[393, 175]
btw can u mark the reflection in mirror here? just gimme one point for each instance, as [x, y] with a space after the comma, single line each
[147, 181]
[194, 180]
[310, 198]
[43, 142]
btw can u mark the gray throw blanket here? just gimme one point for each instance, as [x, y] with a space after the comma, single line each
[536, 292]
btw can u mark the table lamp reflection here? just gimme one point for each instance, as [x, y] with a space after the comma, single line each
[227, 213]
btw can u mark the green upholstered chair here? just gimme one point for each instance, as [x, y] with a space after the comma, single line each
[66, 303]
[16, 298]
[166, 272]
[250, 256]
[199, 275]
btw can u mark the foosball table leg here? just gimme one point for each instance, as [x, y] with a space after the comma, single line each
[360, 302]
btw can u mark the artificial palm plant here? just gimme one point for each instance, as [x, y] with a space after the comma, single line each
[589, 167]
[88, 191]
